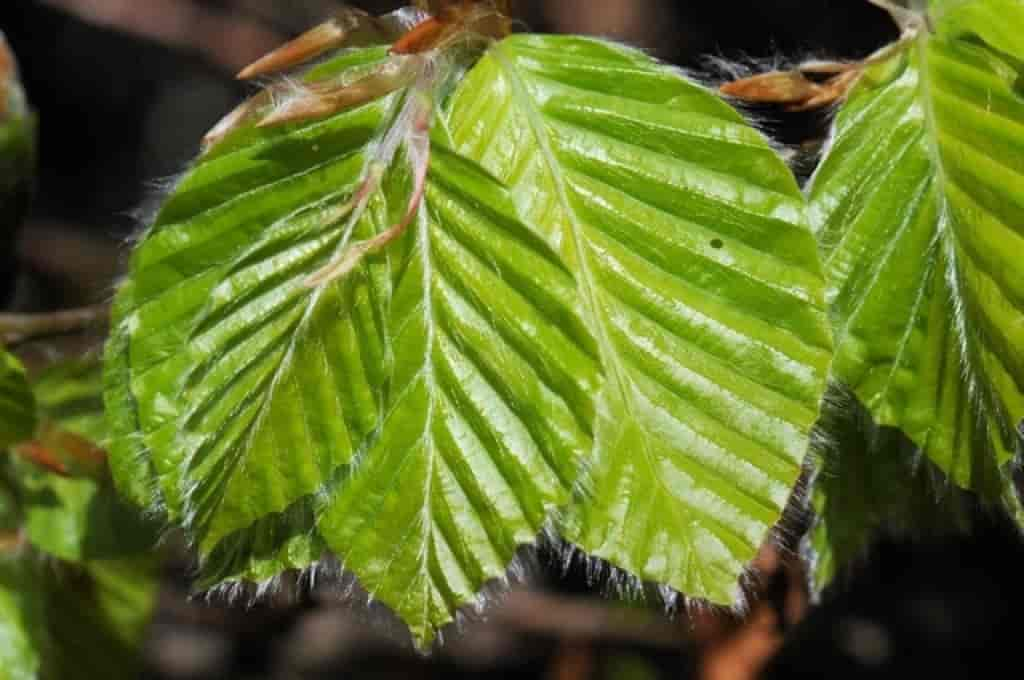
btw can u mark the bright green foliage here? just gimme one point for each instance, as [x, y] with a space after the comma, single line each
[453, 366]
[919, 210]
[61, 621]
[609, 271]
[17, 405]
[699, 278]
[79, 517]
[75, 598]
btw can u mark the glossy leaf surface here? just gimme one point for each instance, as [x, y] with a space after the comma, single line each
[919, 209]
[697, 274]
[609, 271]
[61, 621]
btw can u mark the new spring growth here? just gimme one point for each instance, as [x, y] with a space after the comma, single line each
[817, 84]
[421, 58]
[428, 28]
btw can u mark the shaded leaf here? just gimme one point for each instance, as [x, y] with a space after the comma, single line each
[17, 405]
[872, 482]
[918, 207]
[60, 621]
[697, 275]
[23, 637]
[97, 615]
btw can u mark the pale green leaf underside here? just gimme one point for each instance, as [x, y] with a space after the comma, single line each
[919, 209]
[698, 275]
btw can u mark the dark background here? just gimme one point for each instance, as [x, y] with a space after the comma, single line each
[126, 88]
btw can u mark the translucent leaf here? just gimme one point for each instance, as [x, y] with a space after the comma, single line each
[919, 209]
[423, 410]
[62, 621]
[427, 411]
[697, 274]
[23, 637]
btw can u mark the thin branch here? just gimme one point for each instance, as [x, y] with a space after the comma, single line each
[19, 328]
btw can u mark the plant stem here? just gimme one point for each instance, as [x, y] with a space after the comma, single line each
[19, 328]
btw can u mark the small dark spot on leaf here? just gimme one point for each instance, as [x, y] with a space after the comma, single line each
[717, 243]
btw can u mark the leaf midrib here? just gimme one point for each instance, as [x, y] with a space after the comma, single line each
[950, 239]
[267, 398]
[625, 387]
[586, 279]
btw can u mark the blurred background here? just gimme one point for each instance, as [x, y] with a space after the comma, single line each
[124, 90]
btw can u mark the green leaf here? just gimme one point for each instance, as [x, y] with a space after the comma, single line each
[247, 190]
[97, 615]
[17, 145]
[23, 636]
[79, 517]
[918, 208]
[17, 405]
[488, 410]
[428, 411]
[697, 274]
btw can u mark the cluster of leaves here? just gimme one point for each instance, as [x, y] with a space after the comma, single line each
[592, 301]
[595, 304]
[77, 577]
[77, 572]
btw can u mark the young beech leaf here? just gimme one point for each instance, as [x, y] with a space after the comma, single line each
[24, 640]
[869, 480]
[918, 206]
[696, 273]
[429, 407]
